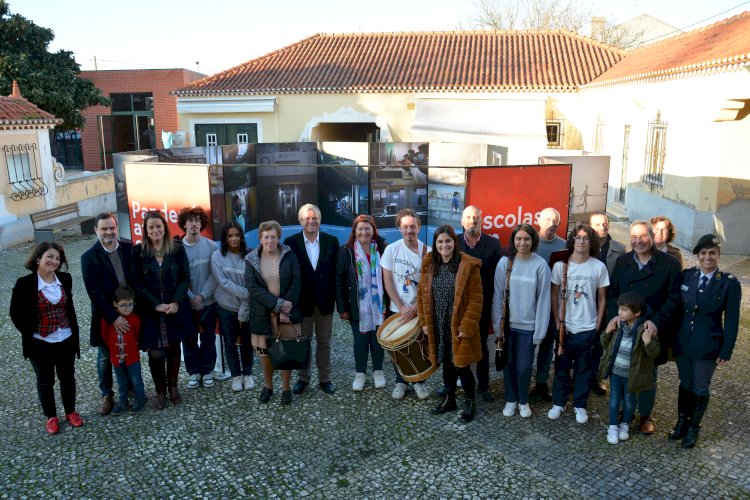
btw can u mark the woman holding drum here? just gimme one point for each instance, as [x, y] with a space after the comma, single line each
[449, 304]
[360, 296]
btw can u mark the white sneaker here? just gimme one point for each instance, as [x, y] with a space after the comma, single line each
[524, 410]
[208, 380]
[510, 409]
[458, 383]
[582, 416]
[222, 376]
[379, 378]
[194, 381]
[399, 391]
[248, 382]
[359, 382]
[236, 384]
[612, 434]
[623, 431]
[421, 390]
[555, 412]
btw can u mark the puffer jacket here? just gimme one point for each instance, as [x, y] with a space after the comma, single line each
[467, 310]
[263, 302]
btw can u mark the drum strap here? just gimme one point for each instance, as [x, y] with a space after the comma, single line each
[506, 307]
[564, 300]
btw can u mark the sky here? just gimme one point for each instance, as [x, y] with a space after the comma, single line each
[215, 35]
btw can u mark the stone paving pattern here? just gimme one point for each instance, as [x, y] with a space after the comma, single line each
[220, 444]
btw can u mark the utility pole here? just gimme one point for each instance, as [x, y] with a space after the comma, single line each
[96, 66]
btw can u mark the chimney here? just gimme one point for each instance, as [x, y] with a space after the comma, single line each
[597, 27]
[16, 92]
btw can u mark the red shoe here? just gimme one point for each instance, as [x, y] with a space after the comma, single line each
[74, 419]
[52, 425]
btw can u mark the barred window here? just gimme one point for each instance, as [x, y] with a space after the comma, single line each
[656, 152]
[555, 133]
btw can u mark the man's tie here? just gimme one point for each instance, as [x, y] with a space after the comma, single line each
[704, 282]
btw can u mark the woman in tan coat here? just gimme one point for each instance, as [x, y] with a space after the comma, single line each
[449, 305]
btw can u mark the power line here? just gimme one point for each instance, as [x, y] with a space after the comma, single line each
[682, 30]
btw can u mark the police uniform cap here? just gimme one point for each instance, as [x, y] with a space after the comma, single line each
[707, 241]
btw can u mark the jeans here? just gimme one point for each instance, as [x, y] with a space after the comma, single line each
[483, 365]
[365, 343]
[129, 375]
[647, 399]
[323, 330]
[517, 372]
[577, 356]
[696, 374]
[544, 355]
[48, 358]
[618, 393]
[201, 359]
[242, 363]
[104, 372]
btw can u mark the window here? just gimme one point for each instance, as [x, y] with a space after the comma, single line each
[211, 140]
[656, 152]
[242, 139]
[555, 133]
[23, 171]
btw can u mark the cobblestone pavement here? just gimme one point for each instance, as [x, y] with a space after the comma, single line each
[219, 444]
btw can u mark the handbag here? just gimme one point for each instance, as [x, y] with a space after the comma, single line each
[289, 349]
[501, 353]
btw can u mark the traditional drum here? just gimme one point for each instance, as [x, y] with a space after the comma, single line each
[408, 347]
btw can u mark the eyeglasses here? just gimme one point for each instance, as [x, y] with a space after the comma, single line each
[126, 305]
[661, 229]
[310, 219]
[581, 238]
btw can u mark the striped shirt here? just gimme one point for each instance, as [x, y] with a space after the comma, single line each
[622, 360]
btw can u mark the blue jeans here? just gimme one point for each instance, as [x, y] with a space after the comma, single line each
[104, 372]
[365, 343]
[577, 356]
[618, 393]
[696, 374]
[239, 363]
[517, 373]
[544, 356]
[127, 375]
[647, 399]
[201, 359]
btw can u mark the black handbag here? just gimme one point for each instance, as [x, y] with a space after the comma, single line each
[501, 348]
[288, 348]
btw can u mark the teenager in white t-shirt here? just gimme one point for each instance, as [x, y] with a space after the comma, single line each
[402, 265]
[585, 303]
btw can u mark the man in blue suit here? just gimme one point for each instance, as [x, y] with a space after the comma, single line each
[105, 267]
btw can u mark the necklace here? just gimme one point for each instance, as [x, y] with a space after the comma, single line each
[160, 252]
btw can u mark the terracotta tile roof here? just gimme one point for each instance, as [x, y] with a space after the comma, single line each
[460, 61]
[17, 112]
[721, 47]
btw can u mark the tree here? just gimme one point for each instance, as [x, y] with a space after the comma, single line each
[49, 80]
[567, 15]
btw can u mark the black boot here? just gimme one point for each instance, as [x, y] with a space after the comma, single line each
[470, 409]
[701, 403]
[447, 404]
[684, 414]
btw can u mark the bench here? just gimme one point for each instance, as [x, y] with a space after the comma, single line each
[46, 232]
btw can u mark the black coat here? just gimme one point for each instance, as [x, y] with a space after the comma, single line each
[25, 314]
[263, 302]
[319, 284]
[659, 284]
[175, 270]
[347, 286]
[711, 318]
[101, 282]
[488, 251]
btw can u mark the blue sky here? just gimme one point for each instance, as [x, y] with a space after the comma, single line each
[220, 34]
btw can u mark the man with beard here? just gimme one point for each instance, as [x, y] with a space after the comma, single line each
[487, 249]
[105, 267]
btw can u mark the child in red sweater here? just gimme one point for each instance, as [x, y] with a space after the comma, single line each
[124, 354]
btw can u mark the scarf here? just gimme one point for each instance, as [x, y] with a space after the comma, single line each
[370, 282]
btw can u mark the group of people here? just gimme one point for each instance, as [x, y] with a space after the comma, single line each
[603, 312]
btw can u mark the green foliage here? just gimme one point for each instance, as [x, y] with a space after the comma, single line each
[49, 80]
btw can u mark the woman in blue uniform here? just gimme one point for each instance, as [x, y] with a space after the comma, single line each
[707, 336]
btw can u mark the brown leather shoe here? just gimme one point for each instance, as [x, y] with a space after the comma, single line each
[106, 405]
[174, 395]
[647, 425]
[160, 402]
